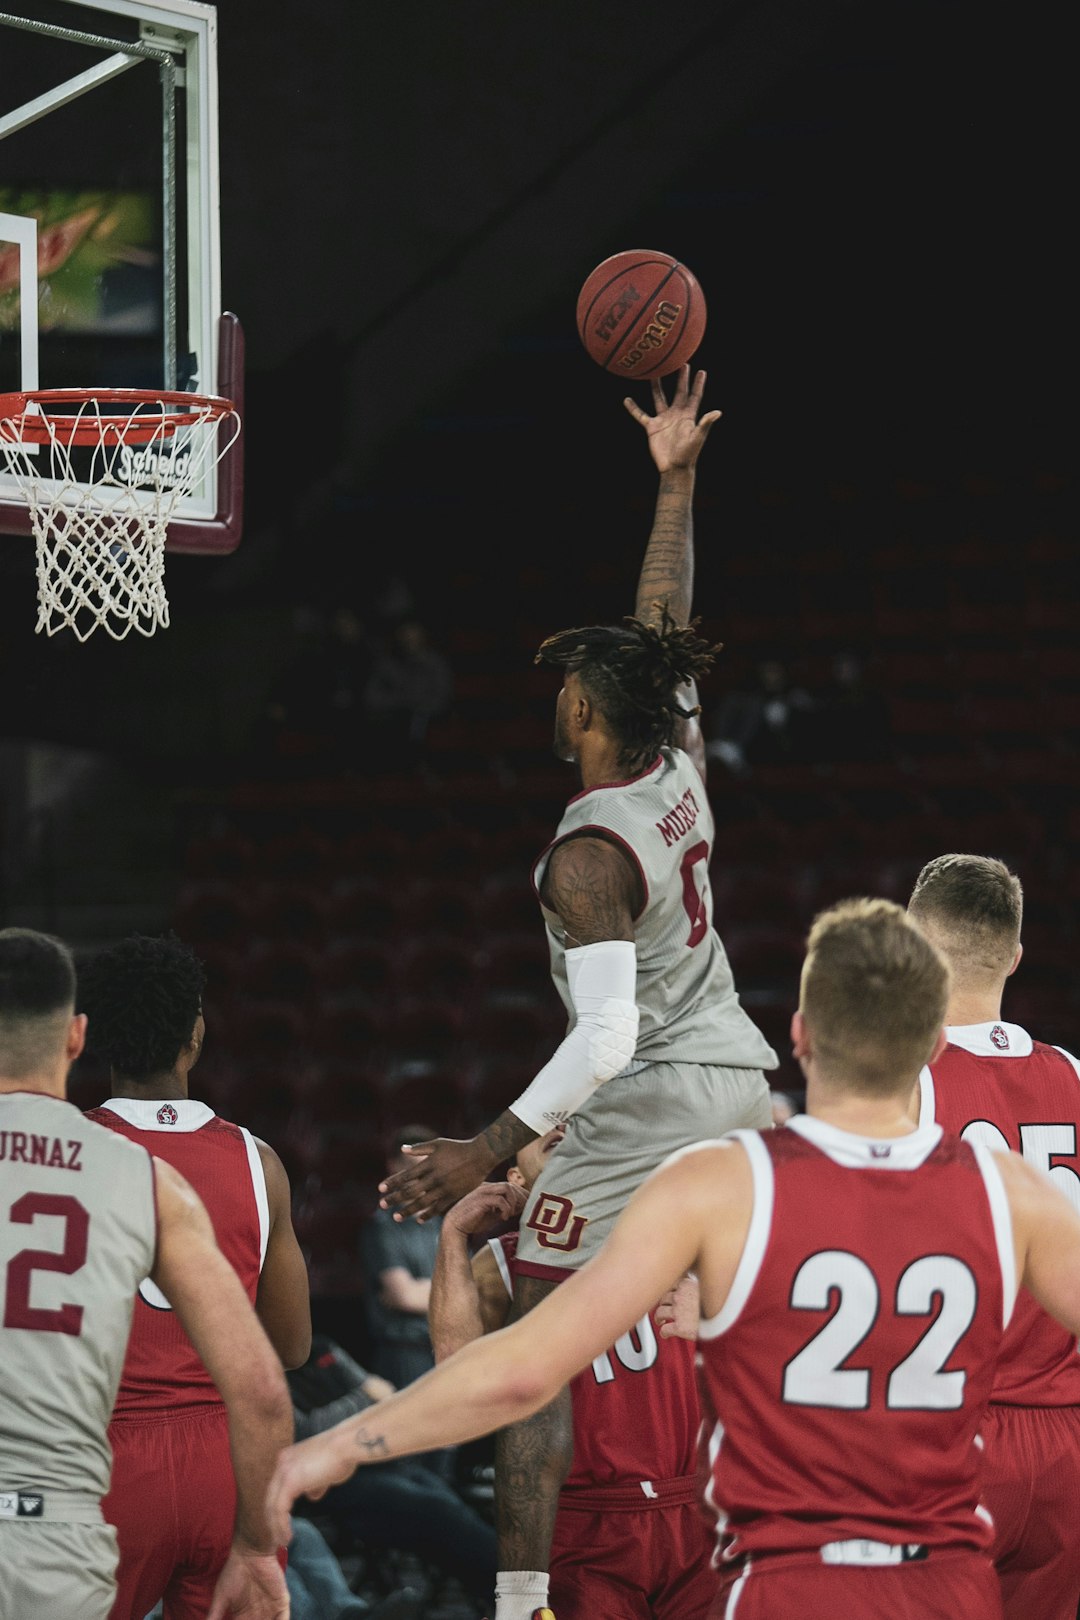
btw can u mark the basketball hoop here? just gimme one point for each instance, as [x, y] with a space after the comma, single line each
[102, 471]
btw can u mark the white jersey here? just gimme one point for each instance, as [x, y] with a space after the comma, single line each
[78, 1233]
[689, 1009]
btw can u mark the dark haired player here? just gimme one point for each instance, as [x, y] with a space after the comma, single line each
[994, 1084]
[659, 1053]
[84, 1218]
[172, 1497]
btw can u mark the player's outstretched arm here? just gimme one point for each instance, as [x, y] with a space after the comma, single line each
[283, 1302]
[592, 887]
[676, 434]
[506, 1376]
[209, 1299]
[468, 1298]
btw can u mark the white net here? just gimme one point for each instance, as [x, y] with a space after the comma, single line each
[101, 488]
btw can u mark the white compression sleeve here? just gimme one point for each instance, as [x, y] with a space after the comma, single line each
[603, 984]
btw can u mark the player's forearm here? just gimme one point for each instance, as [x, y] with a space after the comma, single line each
[485, 1385]
[454, 1317]
[507, 1136]
[667, 570]
[258, 1430]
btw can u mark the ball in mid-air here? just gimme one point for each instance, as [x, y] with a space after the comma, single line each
[641, 314]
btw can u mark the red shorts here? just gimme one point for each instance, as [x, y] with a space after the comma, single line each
[173, 1502]
[949, 1585]
[1031, 1486]
[616, 1557]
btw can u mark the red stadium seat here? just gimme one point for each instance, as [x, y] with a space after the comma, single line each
[428, 1029]
[292, 910]
[357, 969]
[440, 905]
[282, 970]
[767, 959]
[366, 908]
[517, 962]
[439, 965]
[215, 912]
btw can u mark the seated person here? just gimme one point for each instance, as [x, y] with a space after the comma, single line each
[401, 1504]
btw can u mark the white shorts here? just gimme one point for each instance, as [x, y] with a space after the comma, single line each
[628, 1126]
[54, 1570]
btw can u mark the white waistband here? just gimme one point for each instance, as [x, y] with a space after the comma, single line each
[871, 1552]
[74, 1507]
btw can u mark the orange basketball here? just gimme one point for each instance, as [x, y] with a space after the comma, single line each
[641, 314]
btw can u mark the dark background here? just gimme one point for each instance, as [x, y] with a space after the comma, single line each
[876, 200]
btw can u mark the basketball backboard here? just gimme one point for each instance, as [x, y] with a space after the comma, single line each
[110, 270]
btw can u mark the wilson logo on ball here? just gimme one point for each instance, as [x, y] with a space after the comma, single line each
[655, 335]
[641, 314]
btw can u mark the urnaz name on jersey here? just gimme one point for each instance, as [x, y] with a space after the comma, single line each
[22, 1147]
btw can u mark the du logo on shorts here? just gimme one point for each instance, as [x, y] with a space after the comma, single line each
[555, 1224]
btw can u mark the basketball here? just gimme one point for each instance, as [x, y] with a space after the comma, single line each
[641, 314]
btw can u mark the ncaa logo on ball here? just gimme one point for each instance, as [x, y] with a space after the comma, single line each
[613, 315]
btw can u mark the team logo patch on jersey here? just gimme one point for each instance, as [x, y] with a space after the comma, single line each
[880, 1150]
[166, 1114]
[999, 1038]
[555, 1224]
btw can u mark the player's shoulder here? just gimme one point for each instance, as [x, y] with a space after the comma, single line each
[712, 1168]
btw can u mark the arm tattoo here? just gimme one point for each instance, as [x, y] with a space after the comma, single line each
[592, 887]
[667, 571]
[374, 1445]
[507, 1136]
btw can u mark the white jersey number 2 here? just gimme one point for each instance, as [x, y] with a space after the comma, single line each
[938, 1286]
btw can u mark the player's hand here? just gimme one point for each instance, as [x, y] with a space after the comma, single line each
[676, 436]
[251, 1586]
[308, 1468]
[679, 1312]
[491, 1204]
[445, 1170]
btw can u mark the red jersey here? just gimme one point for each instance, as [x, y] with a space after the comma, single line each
[221, 1161]
[845, 1378]
[637, 1414]
[994, 1084]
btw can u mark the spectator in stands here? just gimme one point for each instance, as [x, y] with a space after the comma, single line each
[765, 724]
[401, 1504]
[318, 1589]
[850, 722]
[314, 710]
[399, 1258]
[409, 684]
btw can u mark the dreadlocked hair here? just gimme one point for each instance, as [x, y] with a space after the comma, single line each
[633, 672]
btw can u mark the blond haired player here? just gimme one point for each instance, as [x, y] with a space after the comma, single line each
[856, 1272]
[85, 1216]
[995, 1084]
